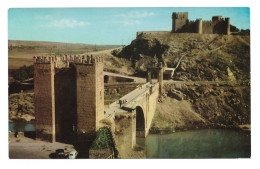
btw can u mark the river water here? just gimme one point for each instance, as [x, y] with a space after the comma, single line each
[21, 126]
[206, 143]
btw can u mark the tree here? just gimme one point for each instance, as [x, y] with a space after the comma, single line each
[23, 73]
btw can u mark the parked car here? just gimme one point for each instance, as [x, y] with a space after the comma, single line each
[73, 154]
[60, 153]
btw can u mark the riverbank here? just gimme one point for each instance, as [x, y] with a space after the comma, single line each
[202, 105]
[246, 127]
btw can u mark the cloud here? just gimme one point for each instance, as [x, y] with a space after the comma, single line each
[65, 23]
[136, 14]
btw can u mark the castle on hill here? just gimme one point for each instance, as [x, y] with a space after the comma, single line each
[182, 24]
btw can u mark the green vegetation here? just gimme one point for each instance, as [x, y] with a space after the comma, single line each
[104, 139]
[23, 73]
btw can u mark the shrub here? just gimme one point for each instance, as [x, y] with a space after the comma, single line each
[104, 139]
[23, 73]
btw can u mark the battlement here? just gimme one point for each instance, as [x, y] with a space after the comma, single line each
[181, 24]
[65, 60]
[180, 15]
[217, 18]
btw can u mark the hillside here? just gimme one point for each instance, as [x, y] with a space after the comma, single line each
[206, 57]
[211, 86]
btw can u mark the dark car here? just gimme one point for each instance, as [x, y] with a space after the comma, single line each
[60, 153]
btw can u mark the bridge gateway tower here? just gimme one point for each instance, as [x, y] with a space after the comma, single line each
[44, 98]
[90, 94]
[69, 96]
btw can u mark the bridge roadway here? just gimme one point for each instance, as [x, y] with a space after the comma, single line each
[130, 98]
[136, 79]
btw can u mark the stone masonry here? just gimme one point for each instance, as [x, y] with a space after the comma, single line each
[182, 24]
[69, 96]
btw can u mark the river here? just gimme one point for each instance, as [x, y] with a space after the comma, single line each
[206, 143]
[21, 126]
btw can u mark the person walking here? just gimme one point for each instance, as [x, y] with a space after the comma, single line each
[120, 103]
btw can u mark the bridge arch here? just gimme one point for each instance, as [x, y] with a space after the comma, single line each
[140, 122]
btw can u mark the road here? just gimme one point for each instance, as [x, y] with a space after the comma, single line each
[136, 79]
[130, 97]
[26, 148]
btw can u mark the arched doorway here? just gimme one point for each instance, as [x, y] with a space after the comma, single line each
[140, 122]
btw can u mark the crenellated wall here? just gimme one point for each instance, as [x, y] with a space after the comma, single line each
[181, 24]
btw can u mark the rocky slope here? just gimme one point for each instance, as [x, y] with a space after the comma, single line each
[21, 107]
[211, 87]
[206, 57]
[201, 104]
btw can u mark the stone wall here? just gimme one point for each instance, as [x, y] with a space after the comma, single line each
[99, 93]
[125, 134]
[217, 25]
[179, 20]
[44, 101]
[152, 32]
[152, 107]
[86, 83]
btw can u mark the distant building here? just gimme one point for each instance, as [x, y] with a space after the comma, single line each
[182, 24]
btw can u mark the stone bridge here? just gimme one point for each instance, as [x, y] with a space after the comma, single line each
[131, 116]
[69, 101]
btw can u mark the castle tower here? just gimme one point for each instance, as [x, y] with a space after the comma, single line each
[90, 94]
[217, 18]
[227, 23]
[199, 26]
[179, 19]
[44, 98]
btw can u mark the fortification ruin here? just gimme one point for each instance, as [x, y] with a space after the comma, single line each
[182, 24]
[69, 96]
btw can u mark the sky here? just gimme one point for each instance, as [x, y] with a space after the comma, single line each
[111, 26]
